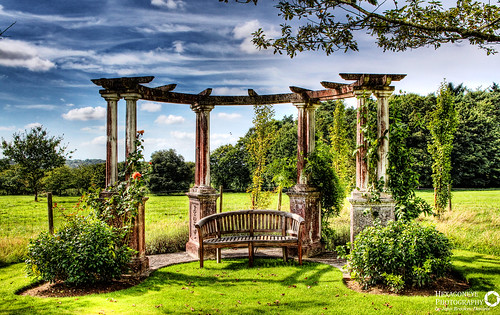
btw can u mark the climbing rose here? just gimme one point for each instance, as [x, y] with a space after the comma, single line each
[141, 132]
[136, 175]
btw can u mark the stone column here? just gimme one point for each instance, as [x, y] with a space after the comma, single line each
[304, 198]
[383, 132]
[131, 121]
[361, 199]
[139, 265]
[202, 197]
[111, 138]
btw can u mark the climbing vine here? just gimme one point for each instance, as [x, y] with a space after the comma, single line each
[442, 125]
[258, 147]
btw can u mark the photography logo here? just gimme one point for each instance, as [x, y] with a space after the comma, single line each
[487, 299]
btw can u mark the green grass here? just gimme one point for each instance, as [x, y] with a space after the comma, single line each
[232, 288]
[474, 222]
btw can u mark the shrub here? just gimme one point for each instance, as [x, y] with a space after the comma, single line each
[85, 251]
[399, 255]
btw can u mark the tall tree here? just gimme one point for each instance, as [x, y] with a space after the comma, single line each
[442, 126]
[36, 153]
[332, 25]
[229, 167]
[170, 172]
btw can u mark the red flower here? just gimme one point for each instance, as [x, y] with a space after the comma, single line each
[136, 175]
[141, 132]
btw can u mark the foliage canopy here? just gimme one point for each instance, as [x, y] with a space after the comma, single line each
[333, 25]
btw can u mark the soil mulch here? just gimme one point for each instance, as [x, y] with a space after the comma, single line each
[59, 289]
[451, 283]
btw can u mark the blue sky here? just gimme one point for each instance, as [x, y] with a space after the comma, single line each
[56, 47]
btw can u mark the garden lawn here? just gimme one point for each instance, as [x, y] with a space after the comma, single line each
[474, 222]
[232, 288]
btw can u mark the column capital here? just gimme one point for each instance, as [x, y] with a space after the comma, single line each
[361, 92]
[384, 93]
[110, 96]
[307, 105]
[202, 108]
[131, 96]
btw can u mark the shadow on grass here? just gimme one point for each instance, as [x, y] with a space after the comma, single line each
[481, 272]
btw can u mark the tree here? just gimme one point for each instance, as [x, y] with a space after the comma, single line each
[229, 167]
[59, 180]
[170, 172]
[332, 25]
[442, 126]
[35, 153]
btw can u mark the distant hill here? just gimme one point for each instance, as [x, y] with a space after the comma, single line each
[76, 163]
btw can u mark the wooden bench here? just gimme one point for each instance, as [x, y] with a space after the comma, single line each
[250, 228]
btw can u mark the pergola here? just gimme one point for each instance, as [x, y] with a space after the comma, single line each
[304, 198]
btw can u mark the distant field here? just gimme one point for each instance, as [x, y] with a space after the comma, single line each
[474, 223]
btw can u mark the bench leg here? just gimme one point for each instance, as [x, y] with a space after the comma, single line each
[299, 250]
[250, 254]
[219, 255]
[285, 253]
[200, 255]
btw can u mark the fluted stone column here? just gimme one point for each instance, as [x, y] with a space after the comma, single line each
[202, 197]
[360, 200]
[304, 198]
[111, 137]
[131, 121]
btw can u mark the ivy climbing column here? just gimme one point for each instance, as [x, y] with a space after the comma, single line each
[202, 197]
[304, 198]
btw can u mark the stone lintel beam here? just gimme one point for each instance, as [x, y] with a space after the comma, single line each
[372, 80]
[202, 154]
[120, 84]
[206, 92]
[166, 88]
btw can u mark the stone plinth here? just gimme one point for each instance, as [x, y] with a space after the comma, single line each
[139, 265]
[364, 212]
[202, 202]
[305, 201]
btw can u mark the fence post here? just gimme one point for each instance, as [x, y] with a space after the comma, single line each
[220, 200]
[50, 213]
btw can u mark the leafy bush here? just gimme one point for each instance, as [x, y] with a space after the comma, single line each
[85, 251]
[401, 254]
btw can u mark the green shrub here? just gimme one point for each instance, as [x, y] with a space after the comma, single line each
[399, 255]
[85, 251]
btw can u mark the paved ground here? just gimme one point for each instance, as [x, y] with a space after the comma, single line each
[163, 260]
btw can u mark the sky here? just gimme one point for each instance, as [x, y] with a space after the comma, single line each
[56, 48]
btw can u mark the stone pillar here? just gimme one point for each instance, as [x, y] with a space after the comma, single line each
[365, 210]
[202, 197]
[111, 138]
[383, 132]
[131, 121]
[304, 198]
[139, 265]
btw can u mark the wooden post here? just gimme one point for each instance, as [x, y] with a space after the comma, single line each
[50, 213]
[280, 194]
[220, 200]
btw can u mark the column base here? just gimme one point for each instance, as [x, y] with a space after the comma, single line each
[202, 202]
[305, 201]
[364, 212]
[139, 267]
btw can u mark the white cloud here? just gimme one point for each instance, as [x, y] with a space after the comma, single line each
[169, 120]
[94, 129]
[37, 106]
[178, 46]
[20, 54]
[230, 91]
[182, 135]
[7, 128]
[229, 115]
[165, 28]
[244, 32]
[32, 125]
[85, 113]
[150, 107]
[169, 4]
